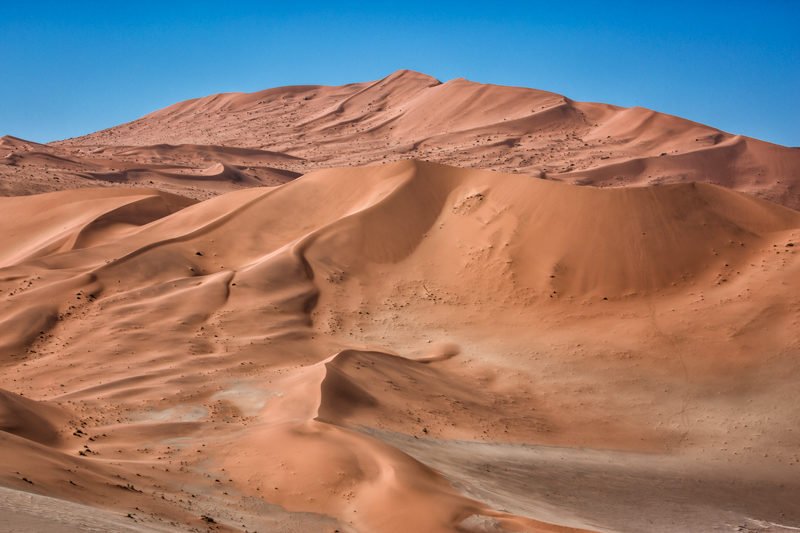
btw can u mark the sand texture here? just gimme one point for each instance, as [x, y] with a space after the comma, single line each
[194, 336]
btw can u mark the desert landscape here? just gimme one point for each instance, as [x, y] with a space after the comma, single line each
[397, 306]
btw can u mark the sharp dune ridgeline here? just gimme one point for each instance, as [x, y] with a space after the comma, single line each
[395, 306]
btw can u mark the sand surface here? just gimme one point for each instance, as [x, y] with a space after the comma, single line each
[223, 142]
[403, 346]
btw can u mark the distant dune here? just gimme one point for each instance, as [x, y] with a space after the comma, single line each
[193, 171]
[216, 318]
[473, 125]
[272, 136]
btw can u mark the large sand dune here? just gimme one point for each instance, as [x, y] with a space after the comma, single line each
[407, 346]
[473, 125]
[269, 137]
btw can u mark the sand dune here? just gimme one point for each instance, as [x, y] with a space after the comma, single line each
[316, 355]
[471, 125]
[60, 222]
[270, 137]
[190, 170]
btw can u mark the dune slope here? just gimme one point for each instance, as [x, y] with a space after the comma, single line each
[319, 354]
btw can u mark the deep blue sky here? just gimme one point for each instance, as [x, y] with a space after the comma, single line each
[68, 68]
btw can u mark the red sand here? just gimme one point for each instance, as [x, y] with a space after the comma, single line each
[407, 346]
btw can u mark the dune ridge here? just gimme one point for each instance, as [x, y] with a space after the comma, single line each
[467, 124]
[269, 137]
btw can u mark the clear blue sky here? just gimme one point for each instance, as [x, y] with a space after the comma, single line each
[68, 68]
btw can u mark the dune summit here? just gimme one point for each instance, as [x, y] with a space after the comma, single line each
[212, 341]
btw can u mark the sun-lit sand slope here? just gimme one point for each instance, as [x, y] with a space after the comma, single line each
[465, 124]
[404, 347]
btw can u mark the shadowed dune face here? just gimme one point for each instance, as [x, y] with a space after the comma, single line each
[277, 346]
[29, 419]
